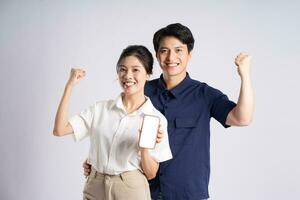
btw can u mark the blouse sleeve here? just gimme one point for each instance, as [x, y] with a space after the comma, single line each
[81, 123]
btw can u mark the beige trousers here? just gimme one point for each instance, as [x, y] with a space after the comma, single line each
[131, 185]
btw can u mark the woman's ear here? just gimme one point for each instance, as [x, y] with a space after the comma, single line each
[148, 77]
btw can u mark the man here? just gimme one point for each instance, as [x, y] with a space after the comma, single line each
[188, 106]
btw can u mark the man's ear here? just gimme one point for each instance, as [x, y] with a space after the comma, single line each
[190, 55]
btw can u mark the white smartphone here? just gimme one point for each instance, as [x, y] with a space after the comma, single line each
[149, 131]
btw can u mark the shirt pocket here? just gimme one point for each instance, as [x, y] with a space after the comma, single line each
[184, 130]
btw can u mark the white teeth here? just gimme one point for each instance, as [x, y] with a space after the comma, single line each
[128, 84]
[172, 65]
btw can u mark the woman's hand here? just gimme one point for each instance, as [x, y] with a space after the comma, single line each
[75, 76]
[160, 135]
[61, 125]
[148, 163]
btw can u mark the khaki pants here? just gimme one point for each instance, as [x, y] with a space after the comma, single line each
[131, 185]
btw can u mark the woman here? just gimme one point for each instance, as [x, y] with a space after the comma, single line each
[120, 168]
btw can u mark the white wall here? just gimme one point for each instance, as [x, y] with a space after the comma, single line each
[41, 40]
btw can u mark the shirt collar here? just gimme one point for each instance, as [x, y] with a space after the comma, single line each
[146, 108]
[118, 103]
[181, 87]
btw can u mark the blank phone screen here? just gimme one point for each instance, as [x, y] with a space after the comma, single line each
[149, 131]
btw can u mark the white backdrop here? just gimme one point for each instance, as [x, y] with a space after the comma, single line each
[41, 40]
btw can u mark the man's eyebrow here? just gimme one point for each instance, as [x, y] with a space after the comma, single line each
[176, 47]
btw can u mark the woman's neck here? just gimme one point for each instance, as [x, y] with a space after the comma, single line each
[133, 102]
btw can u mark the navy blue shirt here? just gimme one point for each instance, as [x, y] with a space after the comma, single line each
[188, 108]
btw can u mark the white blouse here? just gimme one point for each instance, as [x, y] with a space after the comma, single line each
[114, 135]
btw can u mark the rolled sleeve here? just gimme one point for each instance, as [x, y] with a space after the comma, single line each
[81, 124]
[220, 105]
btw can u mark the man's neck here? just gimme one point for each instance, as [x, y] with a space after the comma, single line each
[173, 81]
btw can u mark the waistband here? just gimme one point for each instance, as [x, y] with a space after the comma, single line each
[95, 174]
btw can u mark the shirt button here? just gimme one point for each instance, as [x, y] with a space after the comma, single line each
[160, 174]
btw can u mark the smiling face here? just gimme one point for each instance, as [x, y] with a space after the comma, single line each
[132, 75]
[173, 57]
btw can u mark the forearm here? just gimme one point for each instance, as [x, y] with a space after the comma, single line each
[61, 126]
[243, 111]
[149, 165]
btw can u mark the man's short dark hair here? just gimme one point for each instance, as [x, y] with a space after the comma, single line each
[176, 30]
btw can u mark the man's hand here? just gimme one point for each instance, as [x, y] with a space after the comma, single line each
[241, 114]
[86, 168]
[243, 61]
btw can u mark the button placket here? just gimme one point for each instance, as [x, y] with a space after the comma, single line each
[166, 98]
[113, 145]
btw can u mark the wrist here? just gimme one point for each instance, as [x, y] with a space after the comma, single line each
[245, 77]
[144, 151]
[69, 86]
